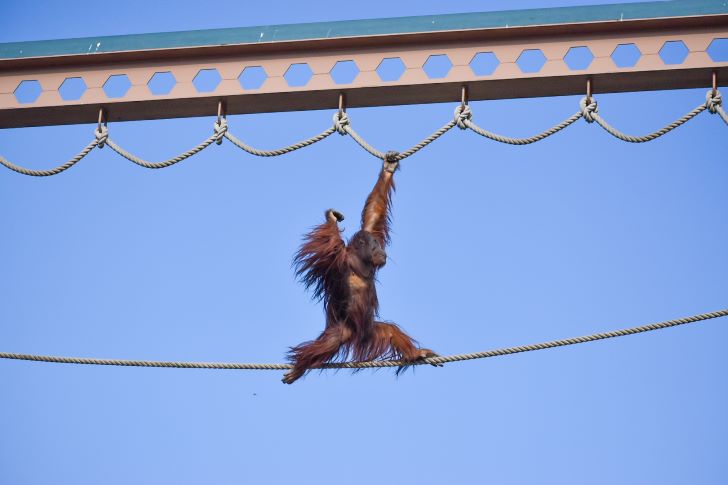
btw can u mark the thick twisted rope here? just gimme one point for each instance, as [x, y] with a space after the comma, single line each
[577, 340]
[342, 125]
[217, 135]
[280, 151]
[723, 115]
[590, 112]
[52, 171]
[463, 117]
[384, 363]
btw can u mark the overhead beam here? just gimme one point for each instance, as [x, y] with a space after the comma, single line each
[648, 26]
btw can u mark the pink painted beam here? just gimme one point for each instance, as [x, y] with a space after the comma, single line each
[393, 69]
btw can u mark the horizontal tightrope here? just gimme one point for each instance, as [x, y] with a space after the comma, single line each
[380, 363]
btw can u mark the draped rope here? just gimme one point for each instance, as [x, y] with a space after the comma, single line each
[166, 163]
[588, 109]
[463, 117]
[53, 171]
[280, 151]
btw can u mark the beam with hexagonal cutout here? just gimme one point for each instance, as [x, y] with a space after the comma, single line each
[494, 59]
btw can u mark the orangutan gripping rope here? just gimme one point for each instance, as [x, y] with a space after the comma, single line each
[342, 276]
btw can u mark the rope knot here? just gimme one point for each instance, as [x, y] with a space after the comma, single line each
[462, 114]
[713, 102]
[341, 121]
[220, 130]
[102, 134]
[391, 161]
[589, 108]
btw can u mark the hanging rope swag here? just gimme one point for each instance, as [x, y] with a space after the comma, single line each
[438, 361]
[463, 119]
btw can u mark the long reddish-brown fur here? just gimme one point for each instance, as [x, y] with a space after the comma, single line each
[342, 276]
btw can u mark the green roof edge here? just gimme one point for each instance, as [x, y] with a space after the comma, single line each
[358, 28]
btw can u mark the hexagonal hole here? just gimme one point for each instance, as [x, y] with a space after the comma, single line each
[161, 83]
[484, 63]
[206, 80]
[674, 52]
[298, 75]
[27, 91]
[578, 58]
[531, 60]
[718, 50]
[72, 88]
[117, 85]
[344, 72]
[626, 55]
[437, 66]
[391, 69]
[252, 77]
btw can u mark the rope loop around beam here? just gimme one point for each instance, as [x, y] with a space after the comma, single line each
[713, 101]
[341, 122]
[588, 108]
[221, 128]
[463, 113]
[102, 135]
[714, 104]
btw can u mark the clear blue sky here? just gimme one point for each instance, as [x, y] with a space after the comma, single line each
[493, 246]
